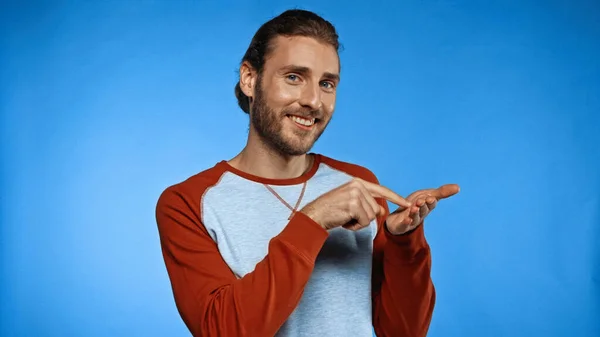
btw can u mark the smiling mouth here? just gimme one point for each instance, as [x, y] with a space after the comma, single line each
[302, 122]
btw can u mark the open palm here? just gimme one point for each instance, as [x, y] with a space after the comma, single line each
[423, 202]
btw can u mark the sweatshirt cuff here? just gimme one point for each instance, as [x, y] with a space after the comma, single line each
[407, 245]
[305, 235]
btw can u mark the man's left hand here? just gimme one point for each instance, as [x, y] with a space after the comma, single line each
[423, 202]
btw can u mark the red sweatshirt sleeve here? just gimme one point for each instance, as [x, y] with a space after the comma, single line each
[403, 292]
[402, 289]
[208, 296]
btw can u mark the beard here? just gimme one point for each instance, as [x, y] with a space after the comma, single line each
[268, 124]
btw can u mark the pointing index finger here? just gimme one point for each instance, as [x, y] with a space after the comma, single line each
[384, 192]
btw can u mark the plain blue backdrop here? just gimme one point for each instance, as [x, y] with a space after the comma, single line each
[104, 104]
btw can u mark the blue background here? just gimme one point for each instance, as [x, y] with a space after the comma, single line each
[103, 105]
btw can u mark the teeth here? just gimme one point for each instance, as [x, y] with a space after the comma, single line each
[306, 122]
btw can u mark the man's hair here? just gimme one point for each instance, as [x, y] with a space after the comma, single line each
[294, 22]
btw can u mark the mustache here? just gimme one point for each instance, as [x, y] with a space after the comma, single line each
[305, 113]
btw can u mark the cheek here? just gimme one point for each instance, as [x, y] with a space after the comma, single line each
[329, 104]
[282, 94]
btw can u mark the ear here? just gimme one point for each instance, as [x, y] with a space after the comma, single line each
[248, 78]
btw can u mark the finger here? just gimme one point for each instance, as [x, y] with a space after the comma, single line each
[431, 203]
[399, 220]
[423, 211]
[379, 191]
[358, 212]
[424, 194]
[371, 208]
[416, 219]
[384, 192]
[445, 191]
[352, 226]
[408, 215]
[374, 205]
[417, 205]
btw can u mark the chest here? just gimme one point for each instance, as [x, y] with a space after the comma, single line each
[244, 219]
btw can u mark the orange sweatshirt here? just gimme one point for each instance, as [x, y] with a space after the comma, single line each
[241, 264]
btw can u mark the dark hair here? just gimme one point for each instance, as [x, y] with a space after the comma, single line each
[294, 22]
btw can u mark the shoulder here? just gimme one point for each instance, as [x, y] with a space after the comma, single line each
[352, 169]
[189, 192]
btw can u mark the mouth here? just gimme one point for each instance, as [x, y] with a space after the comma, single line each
[303, 122]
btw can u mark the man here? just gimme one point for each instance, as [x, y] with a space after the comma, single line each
[282, 242]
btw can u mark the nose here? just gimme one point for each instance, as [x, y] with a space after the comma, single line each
[311, 97]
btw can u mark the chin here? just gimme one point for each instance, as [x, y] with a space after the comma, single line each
[297, 150]
[295, 147]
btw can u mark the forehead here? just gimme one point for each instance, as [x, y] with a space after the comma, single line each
[303, 51]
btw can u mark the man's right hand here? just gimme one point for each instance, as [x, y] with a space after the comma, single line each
[351, 205]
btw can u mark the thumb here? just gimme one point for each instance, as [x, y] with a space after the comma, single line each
[446, 191]
[382, 211]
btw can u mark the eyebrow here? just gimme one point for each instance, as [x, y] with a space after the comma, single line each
[305, 71]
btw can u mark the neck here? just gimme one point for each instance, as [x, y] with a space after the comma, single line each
[258, 159]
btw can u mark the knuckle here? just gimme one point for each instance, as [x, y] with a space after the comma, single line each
[355, 183]
[354, 203]
[354, 192]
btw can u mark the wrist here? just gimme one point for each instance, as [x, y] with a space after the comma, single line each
[394, 232]
[407, 245]
[313, 214]
[404, 230]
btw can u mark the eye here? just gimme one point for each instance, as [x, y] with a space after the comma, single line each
[327, 85]
[292, 77]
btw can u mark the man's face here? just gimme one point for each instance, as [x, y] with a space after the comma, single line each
[294, 98]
